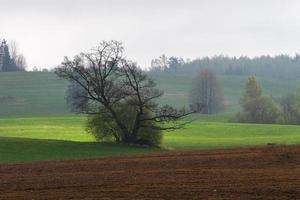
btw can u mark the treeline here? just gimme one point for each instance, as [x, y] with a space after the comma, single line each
[279, 67]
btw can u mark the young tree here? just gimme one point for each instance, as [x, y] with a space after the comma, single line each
[18, 59]
[206, 95]
[117, 90]
[257, 108]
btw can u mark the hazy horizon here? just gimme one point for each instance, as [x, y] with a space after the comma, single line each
[46, 31]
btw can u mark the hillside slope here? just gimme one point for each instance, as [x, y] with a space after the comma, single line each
[177, 88]
[31, 93]
[43, 93]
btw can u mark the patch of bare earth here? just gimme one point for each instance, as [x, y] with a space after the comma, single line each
[252, 173]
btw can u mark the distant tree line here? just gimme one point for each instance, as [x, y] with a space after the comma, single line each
[165, 64]
[279, 67]
[10, 58]
[41, 69]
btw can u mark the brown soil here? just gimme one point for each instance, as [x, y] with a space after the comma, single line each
[252, 173]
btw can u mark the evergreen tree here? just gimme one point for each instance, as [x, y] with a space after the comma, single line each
[9, 63]
[6, 57]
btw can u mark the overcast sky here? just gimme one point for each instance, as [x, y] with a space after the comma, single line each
[48, 30]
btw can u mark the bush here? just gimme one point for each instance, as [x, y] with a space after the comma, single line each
[103, 127]
[149, 136]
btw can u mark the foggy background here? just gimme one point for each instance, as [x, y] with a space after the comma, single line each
[47, 30]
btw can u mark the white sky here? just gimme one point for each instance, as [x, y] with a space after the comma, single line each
[48, 30]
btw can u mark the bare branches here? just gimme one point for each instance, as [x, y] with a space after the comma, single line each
[94, 71]
[168, 114]
[109, 82]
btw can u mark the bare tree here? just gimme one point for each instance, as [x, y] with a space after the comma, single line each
[160, 63]
[109, 80]
[13, 49]
[18, 59]
[206, 95]
[21, 62]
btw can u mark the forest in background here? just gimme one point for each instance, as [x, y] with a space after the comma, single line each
[283, 67]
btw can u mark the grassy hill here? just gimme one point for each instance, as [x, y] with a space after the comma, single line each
[42, 93]
[31, 93]
[177, 88]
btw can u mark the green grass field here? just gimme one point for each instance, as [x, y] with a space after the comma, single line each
[64, 137]
[34, 93]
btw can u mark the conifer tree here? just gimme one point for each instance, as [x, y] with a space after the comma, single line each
[8, 63]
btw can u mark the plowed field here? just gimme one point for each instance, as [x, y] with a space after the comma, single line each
[252, 173]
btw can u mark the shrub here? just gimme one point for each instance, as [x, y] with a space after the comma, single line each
[103, 127]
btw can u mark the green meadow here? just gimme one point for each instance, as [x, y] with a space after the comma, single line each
[64, 137]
